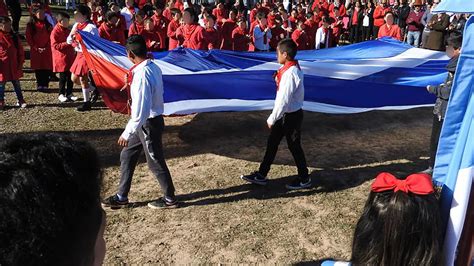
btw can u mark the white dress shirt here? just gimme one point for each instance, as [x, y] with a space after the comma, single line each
[290, 95]
[146, 90]
[125, 12]
[259, 35]
[91, 28]
[321, 38]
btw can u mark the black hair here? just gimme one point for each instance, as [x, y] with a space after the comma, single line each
[110, 15]
[34, 19]
[326, 19]
[84, 10]
[289, 46]
[159, 5]
[398, 228]
[455, 40]
[64, 14]
[261, 15]
[137, 45]
[309, 15]
[175, 11]
[192, 12]
[140, 13]
[49, 200]
[212, 17]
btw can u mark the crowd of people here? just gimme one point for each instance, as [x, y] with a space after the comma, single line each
[224, 25]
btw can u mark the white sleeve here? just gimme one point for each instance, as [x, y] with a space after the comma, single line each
[69, 39]
[318, 39]
[287, 87]
[141, 105]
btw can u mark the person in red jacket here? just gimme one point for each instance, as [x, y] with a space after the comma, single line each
[299, 36]
[339, 6]
[310, 28]
[12, 58]
[63, 57]
[136, 27]
[278, 34]
[337, 26]
[155, 41]
[227, 28]
[389, 29]
[174, 42]
[161, 22]
[240, 36]
[38, 32]
[379, 15]
[220, 13]
[110, 31]
[121, 24]
[191, 32]
[213, 36]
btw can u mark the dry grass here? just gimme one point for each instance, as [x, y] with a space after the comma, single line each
[224, 219]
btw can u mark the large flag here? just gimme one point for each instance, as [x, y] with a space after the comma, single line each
[376, 75]
[454, 167]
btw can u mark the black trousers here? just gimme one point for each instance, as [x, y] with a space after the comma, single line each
[435, 134]
[366, 33]
[290, 127]
[15, 11]
[354, 34]
[65, 83]
[149, 139]
[42, 77]
[375, 34]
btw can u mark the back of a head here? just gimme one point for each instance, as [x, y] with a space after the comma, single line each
[397, 229]
[289, 46]
[136, 44]
[49, 201]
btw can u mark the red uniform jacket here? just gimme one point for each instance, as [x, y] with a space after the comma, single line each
[63, 53]
[135, 28]
[155, 41]
[161, 24]
[300, 38]
[342, 10]
[111, 33]
[173, 38]
[122, 24]
[311, 28]
[194, 36]
[226, 32]
[253, 15]
[392, 31]
[213, 38]
[12, 58]
[167, 14]
[220, 14]
[179, 5]
[38, 37]
[278, 34]
[379, 14]
[271, 20]
[240, 40]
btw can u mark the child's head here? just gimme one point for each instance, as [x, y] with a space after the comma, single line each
[159, 7]
[389, 18]
[139, 16]
[233, 14]
[149, 24]
[326, 22]
[38, 12]
[129, 3]
[309, 15]
[5, 24]
[454, 44]
[242, 23]
[63, 19]
[210, 21]
[400, 223]
[286, 50]
[176, 14]
[277, 22]
[82, 13]
[189, 16]
[262, 19]
[112, 18]
[294, 13]
[114, 7]
[136, 48]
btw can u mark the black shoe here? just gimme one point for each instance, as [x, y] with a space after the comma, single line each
[255, 178]
[299, 183]
[53, 78]
[114, 202]
[162, 203]
[94, 96]
[86, 106]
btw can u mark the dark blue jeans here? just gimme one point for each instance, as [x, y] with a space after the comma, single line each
[16, 87]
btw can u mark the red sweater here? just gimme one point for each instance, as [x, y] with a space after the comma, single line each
[379, 14]
[392, 31]
[135, 28]
[240, 40]
[173, 38]
[194, 37]
[112, 33]
[213, 38]
[63, 53]
[38, 37]
[12, 58]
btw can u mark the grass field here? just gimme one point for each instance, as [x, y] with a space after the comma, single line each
[224, 220]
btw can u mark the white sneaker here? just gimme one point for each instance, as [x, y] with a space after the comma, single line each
[21, 104]
[72, 98]
[62, 98]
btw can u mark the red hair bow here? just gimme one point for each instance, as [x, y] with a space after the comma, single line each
[420, 184]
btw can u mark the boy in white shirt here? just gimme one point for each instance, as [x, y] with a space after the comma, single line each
[286, 118]
[144, 129]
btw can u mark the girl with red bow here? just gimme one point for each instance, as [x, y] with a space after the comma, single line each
[285, 119]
